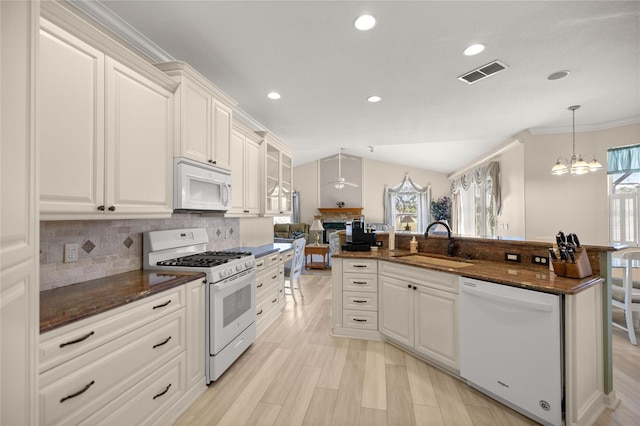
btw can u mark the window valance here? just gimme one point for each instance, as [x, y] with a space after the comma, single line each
[478, 176]
[407, 185]
[623, 159]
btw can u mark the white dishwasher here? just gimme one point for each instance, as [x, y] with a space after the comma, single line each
[511, 347]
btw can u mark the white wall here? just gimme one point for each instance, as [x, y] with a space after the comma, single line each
[256, 231]
[376, 174]
[351, 171]
[511, 220]
[305, 180]
[571, 203]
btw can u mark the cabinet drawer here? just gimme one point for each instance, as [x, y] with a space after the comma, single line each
[77, 388]
[265, 280]
[65, 343]
[266, 304]
[267, 261]
[145, 401]
[287, 256]
[354, 300]
[360, 282]
[421, 276]
[364, 320]
[363, 266]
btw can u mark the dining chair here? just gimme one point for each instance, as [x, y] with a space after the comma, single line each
[625, 294]
[293, 271]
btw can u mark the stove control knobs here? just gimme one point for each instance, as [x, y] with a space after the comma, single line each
[238, 268]
[248, 264]
[223, 273]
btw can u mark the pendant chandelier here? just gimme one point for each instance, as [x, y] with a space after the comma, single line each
[575, 165]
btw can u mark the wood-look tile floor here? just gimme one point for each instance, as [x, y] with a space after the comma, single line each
[297, 374]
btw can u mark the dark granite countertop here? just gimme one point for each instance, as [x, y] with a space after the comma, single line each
[64, 305]
[266, 249]
[532, 278]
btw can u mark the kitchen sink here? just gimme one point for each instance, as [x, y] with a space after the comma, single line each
[428, 260]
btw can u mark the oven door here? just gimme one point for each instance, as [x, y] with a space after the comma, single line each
[232, 308]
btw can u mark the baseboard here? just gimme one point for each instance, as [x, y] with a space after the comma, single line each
[357, 334]
[183, 404]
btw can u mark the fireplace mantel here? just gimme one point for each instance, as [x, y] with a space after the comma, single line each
[344, 214]
[351, 211]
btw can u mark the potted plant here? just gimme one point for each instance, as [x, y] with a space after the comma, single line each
[441, 209]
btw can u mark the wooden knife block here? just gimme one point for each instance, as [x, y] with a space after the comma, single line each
[580, 269]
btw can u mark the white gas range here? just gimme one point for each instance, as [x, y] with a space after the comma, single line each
[230, 290]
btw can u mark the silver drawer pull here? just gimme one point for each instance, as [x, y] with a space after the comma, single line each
[162, 343]
[360, 282]
[359, 320]
[80, 392]
[81, 339]
[359, 301]
[163, 392]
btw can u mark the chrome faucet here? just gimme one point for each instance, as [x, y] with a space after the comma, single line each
[451, 247]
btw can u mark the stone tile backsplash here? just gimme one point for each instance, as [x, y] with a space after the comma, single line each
[109, 247]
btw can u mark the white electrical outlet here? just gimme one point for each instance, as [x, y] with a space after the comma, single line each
[70, 253]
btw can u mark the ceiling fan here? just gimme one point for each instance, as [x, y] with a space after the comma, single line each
[340, 182]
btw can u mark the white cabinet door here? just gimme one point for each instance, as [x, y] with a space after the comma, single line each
[71, 123]
[237, 172]
[286, 184]
[436, 319]
[195, 334]
[221, 136]
[252, 177]
[19, 287]
[396, 310]
[195, 121]
[139, 143]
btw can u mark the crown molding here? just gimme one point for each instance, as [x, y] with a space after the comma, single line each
[585, 128]
[115, 24]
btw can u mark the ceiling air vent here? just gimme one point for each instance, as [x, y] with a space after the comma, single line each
[482, 72]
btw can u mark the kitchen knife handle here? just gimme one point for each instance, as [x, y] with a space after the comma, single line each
[552, 252]
[576, 241]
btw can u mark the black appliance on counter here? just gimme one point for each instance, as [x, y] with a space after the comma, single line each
[358, 239]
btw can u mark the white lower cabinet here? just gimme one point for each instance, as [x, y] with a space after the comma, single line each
[132, 365]
[420, 312]
[267, 290]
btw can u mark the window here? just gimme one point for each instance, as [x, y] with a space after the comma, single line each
[625, 201]
[406, 206]
[477, 200]
[623, 168]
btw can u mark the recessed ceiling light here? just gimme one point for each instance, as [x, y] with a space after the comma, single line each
[365, 22]
[474, 49]
[374, 98]
[558, 75]
[273, 95]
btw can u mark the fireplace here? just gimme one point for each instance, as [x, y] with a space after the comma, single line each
[330, 227]
[335, 219]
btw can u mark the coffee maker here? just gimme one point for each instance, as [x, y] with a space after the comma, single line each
[358, 239]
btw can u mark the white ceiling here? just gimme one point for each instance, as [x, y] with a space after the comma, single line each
[324, 68]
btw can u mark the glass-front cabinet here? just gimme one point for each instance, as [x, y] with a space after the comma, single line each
[278, 177]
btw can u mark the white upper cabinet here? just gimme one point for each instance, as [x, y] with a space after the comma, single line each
[71, 123]
[202, 118]
[139, 143]
[105, 132]
[245, 171]
[278, 176]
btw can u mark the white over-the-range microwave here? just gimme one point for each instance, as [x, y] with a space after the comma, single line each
[199, 187]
